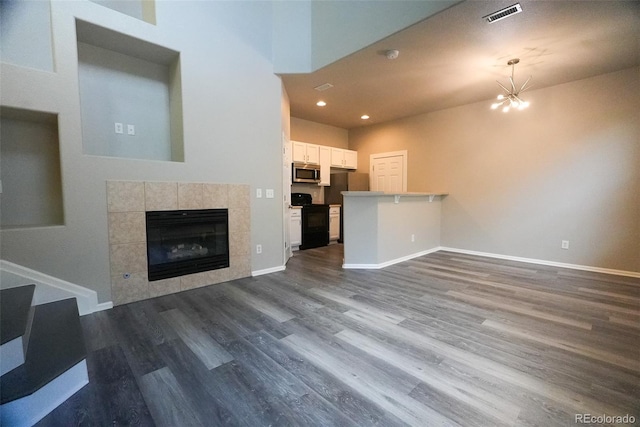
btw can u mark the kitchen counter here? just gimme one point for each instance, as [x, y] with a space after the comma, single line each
[381, 229]
[383, 194]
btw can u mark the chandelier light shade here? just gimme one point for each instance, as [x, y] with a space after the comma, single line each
[511, 96]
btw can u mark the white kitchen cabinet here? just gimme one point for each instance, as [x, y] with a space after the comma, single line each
[350, 159]
[325, 166]
[295, 228]
[299, 151]
[345, 159]
[305, 153]
[334, 223]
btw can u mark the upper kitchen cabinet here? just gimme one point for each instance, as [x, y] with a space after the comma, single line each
[325, 166]
[305, 153]
[344, 159]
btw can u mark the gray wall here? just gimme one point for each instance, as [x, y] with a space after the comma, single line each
[232, 104]
[318, 133]
[309, 34]
[568, 168]
[378, 230]
[398, 221]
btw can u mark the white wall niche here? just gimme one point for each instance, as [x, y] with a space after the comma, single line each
[25, 34]
[144, 10]
[30, 169]
[126, 80]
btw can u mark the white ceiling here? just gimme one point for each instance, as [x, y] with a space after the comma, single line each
[455, 57]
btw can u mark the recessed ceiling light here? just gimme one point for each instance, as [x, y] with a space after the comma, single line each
[321, 103]
[364, 117]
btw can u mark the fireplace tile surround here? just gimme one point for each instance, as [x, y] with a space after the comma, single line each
[127, 202]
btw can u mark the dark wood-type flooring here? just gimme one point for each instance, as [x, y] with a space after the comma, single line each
[444, 339]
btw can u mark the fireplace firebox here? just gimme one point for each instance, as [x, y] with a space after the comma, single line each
[186, 242]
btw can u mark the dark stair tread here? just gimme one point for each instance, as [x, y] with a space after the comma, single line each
[15, 304]
[56, 344]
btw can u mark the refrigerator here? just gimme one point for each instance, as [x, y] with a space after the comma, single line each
[344, 181]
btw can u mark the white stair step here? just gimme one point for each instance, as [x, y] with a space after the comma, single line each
[16, 315]
[54, 369]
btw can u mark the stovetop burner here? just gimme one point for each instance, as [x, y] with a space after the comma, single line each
[301, 199]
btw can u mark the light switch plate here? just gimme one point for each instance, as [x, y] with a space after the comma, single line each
[270, 193]
[258, 193]
[131, 130]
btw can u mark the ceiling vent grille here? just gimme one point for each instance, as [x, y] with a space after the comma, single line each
[323, 87]
[503, 13]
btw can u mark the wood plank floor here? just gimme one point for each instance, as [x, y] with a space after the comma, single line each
[444, 339]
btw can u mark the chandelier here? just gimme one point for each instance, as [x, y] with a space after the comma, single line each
[511, 97]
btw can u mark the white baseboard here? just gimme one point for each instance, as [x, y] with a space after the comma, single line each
[268, 270]
[390, 262]
[104, 306]
[87, 299]
[545, 262]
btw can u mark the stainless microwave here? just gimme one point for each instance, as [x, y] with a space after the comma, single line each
[305, 173]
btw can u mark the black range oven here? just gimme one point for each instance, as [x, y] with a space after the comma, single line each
[315, 221]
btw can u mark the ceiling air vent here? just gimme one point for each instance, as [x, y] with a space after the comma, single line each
[323, 87]
[503, 13]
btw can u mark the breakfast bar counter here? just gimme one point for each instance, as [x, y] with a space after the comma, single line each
[381, 229]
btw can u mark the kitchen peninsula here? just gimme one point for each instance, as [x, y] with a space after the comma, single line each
[381, 229]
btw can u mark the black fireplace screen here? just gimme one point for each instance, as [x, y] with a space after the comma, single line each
[186, 242]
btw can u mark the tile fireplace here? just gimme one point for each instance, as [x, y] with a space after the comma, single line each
[129, 203]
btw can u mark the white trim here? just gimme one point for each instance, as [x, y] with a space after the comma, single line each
[34, 407]
[545, 262]
[391, 262]
[104, 306]
[268, 270]
[498, 256]
[87, 299]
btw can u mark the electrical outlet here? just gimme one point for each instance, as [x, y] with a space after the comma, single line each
[413, 237]
[131, 130]
[270, 193]
[119, 128]
[565, 244]
[258, 193]
[258, 249]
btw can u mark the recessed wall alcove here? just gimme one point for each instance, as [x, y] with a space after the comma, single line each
[134, 84]
[30, 169]
[25, 34]
[144, 10]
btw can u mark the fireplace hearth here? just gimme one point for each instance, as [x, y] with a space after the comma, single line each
[184, 242]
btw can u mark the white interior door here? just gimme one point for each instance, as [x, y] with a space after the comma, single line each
[388, 172]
